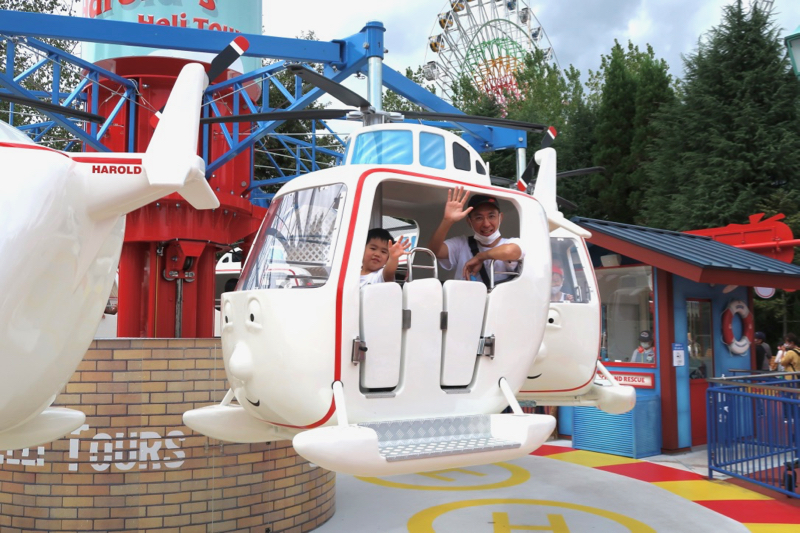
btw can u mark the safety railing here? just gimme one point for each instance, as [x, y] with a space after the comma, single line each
[754, 429]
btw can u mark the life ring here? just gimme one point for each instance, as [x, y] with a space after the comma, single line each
[742, 345]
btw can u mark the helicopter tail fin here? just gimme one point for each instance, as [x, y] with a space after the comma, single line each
[545, 189]
[171, 159]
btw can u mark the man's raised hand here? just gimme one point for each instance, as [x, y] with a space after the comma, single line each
[454, 208]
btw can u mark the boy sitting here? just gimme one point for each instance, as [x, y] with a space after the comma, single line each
[381, 256]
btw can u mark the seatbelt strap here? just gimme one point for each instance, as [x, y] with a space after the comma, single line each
[473, 247]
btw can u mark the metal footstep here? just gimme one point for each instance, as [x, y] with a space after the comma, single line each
[404, 440]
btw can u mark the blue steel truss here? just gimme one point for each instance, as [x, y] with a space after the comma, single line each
[339, 59]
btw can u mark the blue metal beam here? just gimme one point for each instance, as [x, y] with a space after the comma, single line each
[482, 138]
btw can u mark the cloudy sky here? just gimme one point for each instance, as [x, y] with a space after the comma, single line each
[579, 30]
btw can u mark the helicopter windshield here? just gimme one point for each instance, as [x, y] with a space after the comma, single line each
[297, 239]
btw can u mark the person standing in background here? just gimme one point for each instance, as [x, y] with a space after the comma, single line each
[763, 351]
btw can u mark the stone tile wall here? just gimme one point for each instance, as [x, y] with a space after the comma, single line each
[134, 466]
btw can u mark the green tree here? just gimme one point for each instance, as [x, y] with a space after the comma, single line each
[733, 137]
[630, 88]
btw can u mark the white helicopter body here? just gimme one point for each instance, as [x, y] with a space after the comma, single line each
[353, 374]
[62, 223]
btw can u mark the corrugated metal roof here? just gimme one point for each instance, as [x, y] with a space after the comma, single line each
[695, 250]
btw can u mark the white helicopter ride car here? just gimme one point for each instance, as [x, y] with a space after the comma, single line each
[398, 378]
[62, 220]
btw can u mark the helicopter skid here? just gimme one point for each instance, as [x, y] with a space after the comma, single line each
[47, 426]
[231, 423]
[615, 400]
[385, 449]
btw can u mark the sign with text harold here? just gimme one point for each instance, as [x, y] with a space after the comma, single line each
[233, 16]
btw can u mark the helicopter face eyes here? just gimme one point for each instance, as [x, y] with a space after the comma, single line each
[254, 315]
[227, 315]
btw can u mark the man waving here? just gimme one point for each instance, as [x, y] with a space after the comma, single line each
[472, 256]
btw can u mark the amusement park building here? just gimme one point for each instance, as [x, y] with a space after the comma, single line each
[684, 288]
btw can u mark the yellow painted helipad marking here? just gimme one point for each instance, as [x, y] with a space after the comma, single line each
[591, 459]
[703, 490]
[771, 528]
[518, 475]
[422, 522]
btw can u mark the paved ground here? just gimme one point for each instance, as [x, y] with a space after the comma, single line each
[561, 490]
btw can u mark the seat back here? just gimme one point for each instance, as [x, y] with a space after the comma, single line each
[422, 341]
[380, 326]
[464, 302]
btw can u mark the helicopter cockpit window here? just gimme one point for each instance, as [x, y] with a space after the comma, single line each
[479, 168]
[461, 159]
[569, 284]
[296, 243]
[431, 150]
[383, 147]
[627, 314]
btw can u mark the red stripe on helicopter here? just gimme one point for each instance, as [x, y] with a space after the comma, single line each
[31, 147]
[107, 160]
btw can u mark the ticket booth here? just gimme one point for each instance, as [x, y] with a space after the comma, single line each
[692, 297]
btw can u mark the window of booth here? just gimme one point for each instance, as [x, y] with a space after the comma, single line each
[700, 339]
[569, 277]
[627, 315]
[296, 242]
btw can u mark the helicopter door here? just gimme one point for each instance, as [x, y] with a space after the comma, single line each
[381, 329]
[464, 304]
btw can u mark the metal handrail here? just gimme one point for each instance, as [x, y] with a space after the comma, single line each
[410, 263]
[510, 273]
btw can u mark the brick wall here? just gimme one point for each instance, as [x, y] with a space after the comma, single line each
[134, 466]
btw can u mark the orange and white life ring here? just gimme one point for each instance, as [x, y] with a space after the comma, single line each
[742, 345]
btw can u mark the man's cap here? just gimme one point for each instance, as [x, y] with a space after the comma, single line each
[760, 335]
[558, 270]
[645, 336]
[478, 199]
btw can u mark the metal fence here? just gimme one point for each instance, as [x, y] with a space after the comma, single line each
[754, 429]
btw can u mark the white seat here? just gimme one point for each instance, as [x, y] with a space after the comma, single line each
[381, 326]
[422, 341]
[464, 302]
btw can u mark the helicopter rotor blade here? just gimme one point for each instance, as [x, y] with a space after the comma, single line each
[333, 88]
[475, 119]
[54, 108]
[563, 202]
[549, 136]
[225, 59]
[221, 61]
[300, 114]
[580, 172]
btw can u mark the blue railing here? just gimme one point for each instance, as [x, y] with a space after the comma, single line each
[754, 429]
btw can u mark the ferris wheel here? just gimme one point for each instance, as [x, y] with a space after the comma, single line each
[485, 40]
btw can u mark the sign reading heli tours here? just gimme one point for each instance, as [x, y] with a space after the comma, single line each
[233, 16]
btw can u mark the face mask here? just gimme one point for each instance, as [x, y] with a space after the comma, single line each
[646, 344]
[486, 241]
[555, 289]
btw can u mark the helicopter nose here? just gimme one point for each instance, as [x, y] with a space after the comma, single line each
[241, 363]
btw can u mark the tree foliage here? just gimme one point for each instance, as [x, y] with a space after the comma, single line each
[733, 138]
[630, 88]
